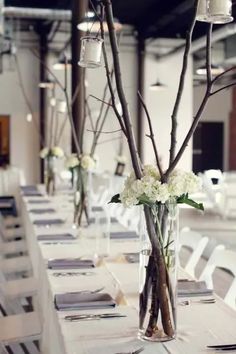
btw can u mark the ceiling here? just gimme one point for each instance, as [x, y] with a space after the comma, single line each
[152, 18]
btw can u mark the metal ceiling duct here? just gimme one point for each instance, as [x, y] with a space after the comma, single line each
[32, 13]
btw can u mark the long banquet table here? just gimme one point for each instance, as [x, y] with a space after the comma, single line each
[199, 324]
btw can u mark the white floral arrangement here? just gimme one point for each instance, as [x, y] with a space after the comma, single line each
[150, 190]
[72, 161]
[55, 151]
[85, 161]
[121, 159]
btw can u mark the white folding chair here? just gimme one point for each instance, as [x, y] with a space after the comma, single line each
[10, 233]
[12, 247]
[226, 259]
[19, 332]
[15, 265]
[194, 242]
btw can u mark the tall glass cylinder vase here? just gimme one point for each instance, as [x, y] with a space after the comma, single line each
[81, 205]
[159, 230]
[50, 174]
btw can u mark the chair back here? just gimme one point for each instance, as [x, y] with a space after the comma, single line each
[196, 243]
[226, 259]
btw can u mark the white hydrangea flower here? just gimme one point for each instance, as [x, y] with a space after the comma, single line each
[44, 153]
[57, 151]
[150, 170]
[87, 162]
[182, 182]
[72, 161]
[128, 198]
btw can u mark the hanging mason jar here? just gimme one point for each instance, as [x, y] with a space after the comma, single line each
[91, 51]
[215, 11]
[220, 11]
[158, 272]
[202, 11]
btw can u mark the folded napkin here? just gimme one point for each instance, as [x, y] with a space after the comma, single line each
[38, 201]
[44, 222]
[114, 220]
[123, 235]
[132, 257]
[55, 237]
[97, 208]
[32, 194]
[70, 263]
[81, 301]
[193, 288]
[42, 211]
[29, 188]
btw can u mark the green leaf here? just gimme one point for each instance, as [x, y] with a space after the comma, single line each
[115, 199]
[184, 199]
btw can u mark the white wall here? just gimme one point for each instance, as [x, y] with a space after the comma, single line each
[160, 105]
[218, 110]
[24, 137]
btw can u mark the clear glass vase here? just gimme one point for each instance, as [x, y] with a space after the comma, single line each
[50, 174]
[81, 204]
[159, 228]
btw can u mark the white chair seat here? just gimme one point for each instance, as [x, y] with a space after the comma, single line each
[7, 248]
[16, 264]
[14, 328]
[20, 288]
[12, 221]
[10, 234]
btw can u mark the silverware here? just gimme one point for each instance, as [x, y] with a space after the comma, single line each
[86, 317]
[223, 347]
[201, 301]
[71, 274]
[133, 352]
[86, 291]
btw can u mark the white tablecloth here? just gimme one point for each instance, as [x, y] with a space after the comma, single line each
[198, 324]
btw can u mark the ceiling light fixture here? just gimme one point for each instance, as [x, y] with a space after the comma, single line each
[215, 70]
[157, 86]
[91, 24]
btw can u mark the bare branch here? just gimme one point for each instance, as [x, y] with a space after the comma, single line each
[181, 86]
[208, 55]
[100, 100]
[223, 88]
[198, 114]
[120, 91]
[89, 114]
[151, 136]
[104, 132]
[108, 141]
[222, 74]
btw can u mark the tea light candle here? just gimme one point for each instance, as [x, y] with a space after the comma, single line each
[220, 7]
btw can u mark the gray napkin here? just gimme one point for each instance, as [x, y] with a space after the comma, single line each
[81, 301]
[70, 263]
[193, 288]
[55, 237]
[42, 211]
[132, 257]
[97, 208]
[38, 201]
[116, 235]
[44, 222]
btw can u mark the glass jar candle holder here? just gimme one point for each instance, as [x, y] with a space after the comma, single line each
[220, 11]
[202, 11]
[91, 52]
[215, 11]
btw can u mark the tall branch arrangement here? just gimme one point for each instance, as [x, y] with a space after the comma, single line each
[157, 276]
